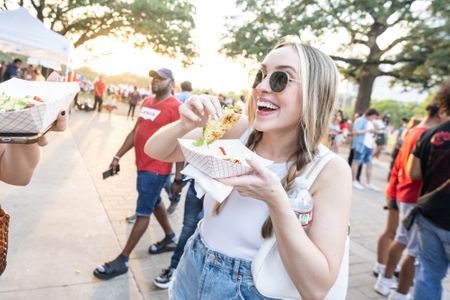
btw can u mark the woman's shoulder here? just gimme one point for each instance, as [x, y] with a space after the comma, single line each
[335, 174]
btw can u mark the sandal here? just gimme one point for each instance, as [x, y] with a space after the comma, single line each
[111, 269]
[164, 245]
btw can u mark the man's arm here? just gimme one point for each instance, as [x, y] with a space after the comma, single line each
[177, 184]
[413, 169]
[126, 146]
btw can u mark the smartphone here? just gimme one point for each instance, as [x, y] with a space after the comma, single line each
[22, 138]
[111, 172]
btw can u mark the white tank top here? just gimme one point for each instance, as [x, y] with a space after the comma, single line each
[236, 230]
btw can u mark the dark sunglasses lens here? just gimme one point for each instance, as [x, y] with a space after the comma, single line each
[278, 81]
[258, 79]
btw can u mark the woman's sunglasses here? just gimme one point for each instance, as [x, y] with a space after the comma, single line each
[278, 80]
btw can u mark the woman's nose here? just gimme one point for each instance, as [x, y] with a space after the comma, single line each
[264, 85]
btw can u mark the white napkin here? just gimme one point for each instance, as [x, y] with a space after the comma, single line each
[207, 185]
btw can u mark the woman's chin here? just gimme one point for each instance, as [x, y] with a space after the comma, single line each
[263, 125]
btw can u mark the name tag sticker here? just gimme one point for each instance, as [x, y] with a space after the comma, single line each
[149, 113]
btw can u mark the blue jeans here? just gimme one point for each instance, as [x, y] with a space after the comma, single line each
[364, 157]
[149, 186]
[193, 213]
[433, 259]
[167, 187]
[207, 274]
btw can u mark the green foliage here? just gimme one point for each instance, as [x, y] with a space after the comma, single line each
[418, 57]
[399, 110]
[164, 25]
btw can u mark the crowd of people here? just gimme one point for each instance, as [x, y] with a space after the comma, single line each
[286, 120]
[14, 69]
[418, 206]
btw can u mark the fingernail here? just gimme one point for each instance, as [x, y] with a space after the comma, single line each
[63, 113]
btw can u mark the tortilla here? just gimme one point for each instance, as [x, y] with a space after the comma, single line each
[215, 129]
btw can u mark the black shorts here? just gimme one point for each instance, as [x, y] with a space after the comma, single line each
[381, 139]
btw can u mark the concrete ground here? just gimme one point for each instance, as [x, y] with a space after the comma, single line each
[68, 220]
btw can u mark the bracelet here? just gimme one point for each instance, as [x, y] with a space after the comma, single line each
[116, 157]
[178, 181]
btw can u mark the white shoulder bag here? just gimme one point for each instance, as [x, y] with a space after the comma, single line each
[270, 277]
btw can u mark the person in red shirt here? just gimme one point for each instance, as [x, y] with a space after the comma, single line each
[99, 93]
[155, 113]
[402, 193]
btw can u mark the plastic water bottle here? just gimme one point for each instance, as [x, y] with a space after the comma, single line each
[303, 208]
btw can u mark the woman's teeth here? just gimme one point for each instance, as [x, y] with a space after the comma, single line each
[266, 105]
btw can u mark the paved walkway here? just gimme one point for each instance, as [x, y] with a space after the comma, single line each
[69, 220]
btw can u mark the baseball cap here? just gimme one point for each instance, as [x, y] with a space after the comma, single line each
[163, 72]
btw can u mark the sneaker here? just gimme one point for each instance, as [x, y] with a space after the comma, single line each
[397, 271]
[131, 219]
[171, 208]
[164, 279]
[378, 269]
[373, 187]
[394, 295]
[384, 285]
[358, 185]
[165, 245]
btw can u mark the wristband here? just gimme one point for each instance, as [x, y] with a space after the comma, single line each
[116, 157]
[178, 181]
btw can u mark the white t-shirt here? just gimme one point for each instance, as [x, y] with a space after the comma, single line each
[381, 126]
[369, 137]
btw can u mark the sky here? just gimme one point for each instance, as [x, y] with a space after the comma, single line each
[211, 69]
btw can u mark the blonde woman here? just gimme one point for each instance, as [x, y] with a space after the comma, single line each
[289, 111]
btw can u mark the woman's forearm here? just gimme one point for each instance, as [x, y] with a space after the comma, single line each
[163, 144]
[17, 163]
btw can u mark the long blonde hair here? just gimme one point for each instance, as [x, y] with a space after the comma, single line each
[319, 79]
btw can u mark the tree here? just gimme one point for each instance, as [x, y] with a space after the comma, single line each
[419, 56]
[164, 25]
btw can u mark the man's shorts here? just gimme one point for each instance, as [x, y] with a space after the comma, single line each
[149, 186]
[381, 139]
[364, 157]
[403, 236]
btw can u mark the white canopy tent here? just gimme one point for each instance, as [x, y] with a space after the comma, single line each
[22, 33]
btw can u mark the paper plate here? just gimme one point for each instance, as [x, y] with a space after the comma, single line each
[36, 119]
[209, 160]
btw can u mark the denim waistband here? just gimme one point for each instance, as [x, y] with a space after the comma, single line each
[235, 267]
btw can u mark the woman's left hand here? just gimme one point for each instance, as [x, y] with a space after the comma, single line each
[260, 184]
[60, 125]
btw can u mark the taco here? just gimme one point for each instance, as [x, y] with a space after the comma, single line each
[215, 129]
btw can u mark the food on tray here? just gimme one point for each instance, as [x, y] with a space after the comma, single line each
[10, 104]
[223, 154]
[215, 129]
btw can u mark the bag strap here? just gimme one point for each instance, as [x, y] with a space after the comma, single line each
[314, 168]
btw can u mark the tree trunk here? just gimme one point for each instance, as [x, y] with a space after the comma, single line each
[364, 92]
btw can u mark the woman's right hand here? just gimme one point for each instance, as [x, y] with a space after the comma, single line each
[196, 111]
